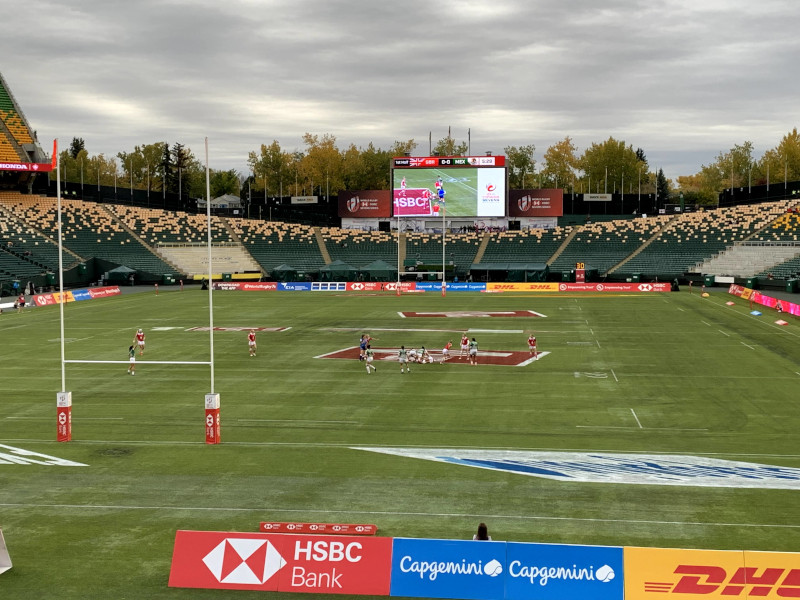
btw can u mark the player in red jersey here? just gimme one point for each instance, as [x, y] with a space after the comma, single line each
[446, 351]
[464, 345]
[251, 342]
[532, 346]
[139, 339]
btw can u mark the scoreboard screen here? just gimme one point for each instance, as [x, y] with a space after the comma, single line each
[466, 186]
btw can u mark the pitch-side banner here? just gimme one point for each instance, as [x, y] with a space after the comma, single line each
[75, 295]
[365, 204]
[536, 203]
[248, 286]
[657, 573]
[318, 564]
[781, 306]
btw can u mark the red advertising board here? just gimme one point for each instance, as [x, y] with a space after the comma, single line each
[247, 286]
[318, 528]
[365, 204]
[25, 167]
[104, 292]
[282, 562]
[536, 203]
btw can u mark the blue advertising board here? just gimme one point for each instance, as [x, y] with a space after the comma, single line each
[81, 294]
[294, 286]
[436, 286]
[466, 287]
[560, 572]
[448, 569]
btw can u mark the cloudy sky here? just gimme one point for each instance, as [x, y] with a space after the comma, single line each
[682, 79]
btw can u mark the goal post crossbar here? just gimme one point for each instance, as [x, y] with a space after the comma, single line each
[142, 362]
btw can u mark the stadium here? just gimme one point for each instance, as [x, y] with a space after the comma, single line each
[647, 446]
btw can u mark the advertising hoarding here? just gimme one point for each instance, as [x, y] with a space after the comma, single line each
[281, 562]
[536, 203]
[365, 204]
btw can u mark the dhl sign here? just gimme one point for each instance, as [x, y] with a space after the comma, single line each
[682, 574]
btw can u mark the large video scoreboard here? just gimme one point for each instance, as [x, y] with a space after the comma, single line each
[466, 186]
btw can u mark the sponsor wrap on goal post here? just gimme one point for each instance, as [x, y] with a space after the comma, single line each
[213, 427]
[64, 416]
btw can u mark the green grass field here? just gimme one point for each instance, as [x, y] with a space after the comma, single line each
[671, 373]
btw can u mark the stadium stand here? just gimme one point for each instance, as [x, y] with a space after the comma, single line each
[603, 245]
[89, 231]
[358, 248]
[156, 226]
[273, 244]
[532, 246]
[689, 239]
[460, 249]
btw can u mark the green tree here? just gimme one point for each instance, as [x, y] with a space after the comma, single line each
[76, 146]
[321, 164]
[142, 166]
[781, 163]
[663, 186]
[610, 166]
[270, 168]
[224, 182]
[560, 164]
[448, 146]
[519, 163]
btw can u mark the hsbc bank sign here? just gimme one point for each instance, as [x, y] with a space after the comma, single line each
[281, 562]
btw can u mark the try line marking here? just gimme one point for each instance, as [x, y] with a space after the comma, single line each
[390, 513]
[423, 330]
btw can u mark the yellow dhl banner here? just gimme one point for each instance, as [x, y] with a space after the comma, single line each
[674, 574]
[532, 286]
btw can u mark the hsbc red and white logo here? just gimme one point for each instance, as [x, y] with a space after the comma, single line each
[244, 561]
[357, 287]
[645, 287]
[282, 562]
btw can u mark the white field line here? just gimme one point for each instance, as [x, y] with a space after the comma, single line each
[704, 323]
[723, 333]
[638, 422]
[637, 428]
[295, 421]
[388, 513]
[347, 445]
[402, 329]
[615, 377]
[748, 345]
